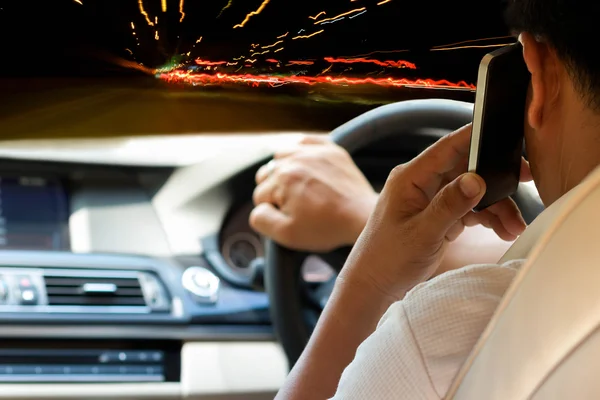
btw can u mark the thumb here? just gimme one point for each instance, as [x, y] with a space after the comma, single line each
[453, 202]
[267, 220]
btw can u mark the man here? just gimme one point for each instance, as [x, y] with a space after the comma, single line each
[430, 328]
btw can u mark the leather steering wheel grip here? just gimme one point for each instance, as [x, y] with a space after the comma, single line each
[282, 266]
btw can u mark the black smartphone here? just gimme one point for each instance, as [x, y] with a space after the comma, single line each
[498, 122]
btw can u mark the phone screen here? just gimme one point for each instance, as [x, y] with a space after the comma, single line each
[498, 122]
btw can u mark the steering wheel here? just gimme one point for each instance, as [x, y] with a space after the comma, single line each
[282, 275]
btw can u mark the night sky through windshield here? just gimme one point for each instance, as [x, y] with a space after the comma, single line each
[348, 50]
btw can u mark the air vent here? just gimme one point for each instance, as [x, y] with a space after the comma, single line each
[71, 290]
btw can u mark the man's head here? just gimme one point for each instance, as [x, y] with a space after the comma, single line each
[563, 108]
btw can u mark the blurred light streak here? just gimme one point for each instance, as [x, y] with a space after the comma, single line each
[335, 20]
[300, 62]
[356, 10]
[229, 64]
[282, 36]
[163, 4]
[254, 80]
[272, 60]
[239, 58]
[388, 63]
[272, 45]
[251, 61]
[144, 13]
[181, 10]
[129, 51]
[356, 15]
[156, 20]
[259, 53]
[78, 2]
[199, 39]
[253, 45]
[278, 50]
[156, 35]
[229, 4]
[472, 47]
[132, 26]
[325, 70]
[308, 36]
[383, 2]
[317, 16]
[209, 63]
[251, 14]
[473, 41]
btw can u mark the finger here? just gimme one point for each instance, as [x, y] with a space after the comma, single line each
[525, 175]
[267, 220]
[452, 203]
[510, 216]
[442, 157]
[490, 221]
[315, 139]
[265, 170]
[269, 191]
[455, 231]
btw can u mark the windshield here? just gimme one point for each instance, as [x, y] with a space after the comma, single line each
[124, 67]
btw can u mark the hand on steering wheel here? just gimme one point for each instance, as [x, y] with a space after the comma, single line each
[312, 197]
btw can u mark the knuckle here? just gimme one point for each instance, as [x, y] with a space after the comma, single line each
[292, 174]
[397, 173]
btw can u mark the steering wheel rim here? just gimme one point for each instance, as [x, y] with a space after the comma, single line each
[283, 266]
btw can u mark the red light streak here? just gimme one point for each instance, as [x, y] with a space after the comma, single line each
[389, 63]
[299, 62]
[209, 63]
[318, 15]
[251, 14]
[308, 36]
[272, 60]
[256, 80]
[341, 15]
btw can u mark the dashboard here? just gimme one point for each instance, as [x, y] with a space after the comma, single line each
[121, 278]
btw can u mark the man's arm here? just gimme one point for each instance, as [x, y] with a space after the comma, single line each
[401, 246]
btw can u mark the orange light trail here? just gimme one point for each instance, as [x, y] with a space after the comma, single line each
[278, 50]
[383, 2]
[144, 13]
[251, 61]
[341, 15]
[251, 14]
[181, 10]
[156, 20]
[254, 45]
[282, 36]
[261, 53]
[317, 16]
[389, 63]
[255, 80]
[272, 45]
[163, 4]
[472, 41]
[471, 47]
[308, 36]
[199, 39]
[272, 60]
[229, 64]
[132, 26]
[300, 62]
[209, 63]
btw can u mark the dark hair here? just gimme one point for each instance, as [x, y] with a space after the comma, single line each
[571, 27]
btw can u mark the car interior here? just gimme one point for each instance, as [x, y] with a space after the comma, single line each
[128, 268]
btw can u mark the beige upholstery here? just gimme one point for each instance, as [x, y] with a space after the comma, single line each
[544, 340]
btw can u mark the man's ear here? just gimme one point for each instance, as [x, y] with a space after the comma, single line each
[534, 53]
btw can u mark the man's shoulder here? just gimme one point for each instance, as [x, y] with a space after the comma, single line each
[447, 314]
